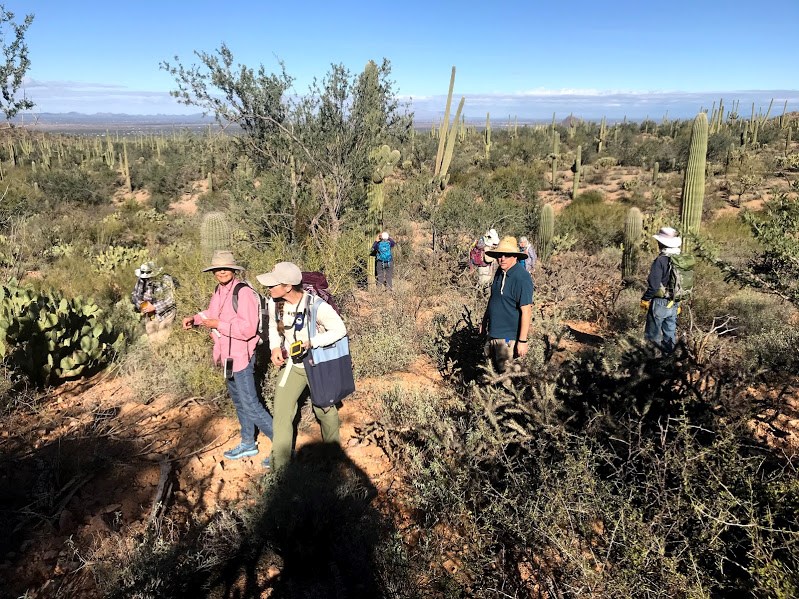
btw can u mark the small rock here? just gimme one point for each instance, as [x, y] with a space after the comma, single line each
[66, 521]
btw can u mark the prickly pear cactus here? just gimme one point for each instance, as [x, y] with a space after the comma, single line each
[117, 256]
[50, 338]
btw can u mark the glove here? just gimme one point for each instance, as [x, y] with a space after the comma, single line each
[679, 309]
[645, 305]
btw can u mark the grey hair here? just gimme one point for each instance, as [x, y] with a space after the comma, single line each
[523, 238]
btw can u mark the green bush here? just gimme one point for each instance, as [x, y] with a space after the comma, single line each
[77, 186]
[593, 223]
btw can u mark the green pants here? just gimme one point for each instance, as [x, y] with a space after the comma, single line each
[286, 402]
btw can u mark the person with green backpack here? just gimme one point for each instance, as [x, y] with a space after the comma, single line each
[670, 282]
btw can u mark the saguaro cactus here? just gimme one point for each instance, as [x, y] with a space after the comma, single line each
[214, 233]
[632, 233]
[554, 156]
[546, 230]
[576, 170]
[446, 138]
[693, 188]
[655, 171]
[487, 136]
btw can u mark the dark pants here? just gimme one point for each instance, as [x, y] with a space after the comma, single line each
[250, 411]
[385, 273]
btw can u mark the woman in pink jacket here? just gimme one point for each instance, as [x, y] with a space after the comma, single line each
[235, 334]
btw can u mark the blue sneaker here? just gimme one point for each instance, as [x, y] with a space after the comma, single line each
[242, 450]
[267, 463]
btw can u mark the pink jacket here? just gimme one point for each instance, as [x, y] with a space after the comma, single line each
[237, 330]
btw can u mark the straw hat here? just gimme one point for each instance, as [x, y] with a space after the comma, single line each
[508, 245]
[668, 237]
[223, 259]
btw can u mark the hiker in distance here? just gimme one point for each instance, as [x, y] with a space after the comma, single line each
[383, 251]
[291, 311]
[506, 321]
[532, 257]
[486, 270]
[153, 296]
[658, 300]
[232, 319]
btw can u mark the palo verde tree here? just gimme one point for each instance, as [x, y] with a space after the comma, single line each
[16, 63]
[320, 142]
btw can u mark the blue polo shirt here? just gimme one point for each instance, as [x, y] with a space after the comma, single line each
[509, 292]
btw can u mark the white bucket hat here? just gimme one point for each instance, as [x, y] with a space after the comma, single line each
[146, 271]
[668, 237]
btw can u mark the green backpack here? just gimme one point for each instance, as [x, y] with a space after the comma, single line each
[681, 277]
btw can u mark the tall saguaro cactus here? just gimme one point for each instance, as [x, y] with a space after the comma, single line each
[554, 156]
[693, 188]
[632, 233]
[446, 138]
[487, 136]
[576, 170]
[546, 230]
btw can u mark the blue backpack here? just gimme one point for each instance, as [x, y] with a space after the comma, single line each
[384, 251]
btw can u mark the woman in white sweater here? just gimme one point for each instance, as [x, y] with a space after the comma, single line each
[289, 316]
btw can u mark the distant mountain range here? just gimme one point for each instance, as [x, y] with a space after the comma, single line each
[77, 121]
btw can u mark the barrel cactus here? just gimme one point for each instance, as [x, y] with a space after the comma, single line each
[693, 189]
[546, 230]
[632, 234]
[215, 233]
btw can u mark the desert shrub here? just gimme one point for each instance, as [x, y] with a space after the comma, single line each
[581, 286]
[180, 368]
[593, 223]
[382, 337]
[77, 186]
[612, 479]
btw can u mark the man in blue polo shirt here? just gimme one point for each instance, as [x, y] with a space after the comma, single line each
[510, 307]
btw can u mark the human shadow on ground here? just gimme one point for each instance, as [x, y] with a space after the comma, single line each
[316, 534]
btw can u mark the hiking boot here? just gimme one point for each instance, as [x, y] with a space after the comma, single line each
[242, 450]
[267, 463]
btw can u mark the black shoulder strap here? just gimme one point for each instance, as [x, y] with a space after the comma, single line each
[235, 300]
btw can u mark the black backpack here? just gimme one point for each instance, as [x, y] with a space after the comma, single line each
[263, 314]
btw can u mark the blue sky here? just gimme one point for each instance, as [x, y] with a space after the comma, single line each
[525, 58]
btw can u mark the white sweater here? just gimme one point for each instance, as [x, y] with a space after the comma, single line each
[329, 326]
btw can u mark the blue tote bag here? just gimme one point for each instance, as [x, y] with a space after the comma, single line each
[329, 369]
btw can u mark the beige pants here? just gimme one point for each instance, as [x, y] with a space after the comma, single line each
[158, 330]
[500, 352]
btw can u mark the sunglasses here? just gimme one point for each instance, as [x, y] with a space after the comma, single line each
[505, 255]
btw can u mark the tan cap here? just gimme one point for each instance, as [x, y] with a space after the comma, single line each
[284, 273]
